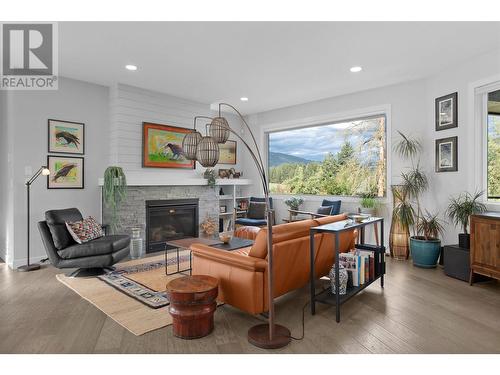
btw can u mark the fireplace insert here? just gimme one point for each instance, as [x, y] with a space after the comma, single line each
[170, 219]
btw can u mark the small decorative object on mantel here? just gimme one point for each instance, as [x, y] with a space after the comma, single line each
[66, 137]
[446, 112]
[343, 278]
[447, 154]
[294, 204]
[229, 173]
[209, 175]
[209, 226]
[65, 172]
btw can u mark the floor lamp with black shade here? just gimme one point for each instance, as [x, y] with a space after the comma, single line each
[35, 266]
[205, 150]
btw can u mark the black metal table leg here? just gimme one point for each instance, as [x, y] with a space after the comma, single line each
[337, 280]
[382, 255]
[311, 256]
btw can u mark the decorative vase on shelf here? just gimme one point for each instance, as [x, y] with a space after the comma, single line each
[136, 243]
[343, 278]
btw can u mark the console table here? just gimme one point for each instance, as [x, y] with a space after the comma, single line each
[335, 229]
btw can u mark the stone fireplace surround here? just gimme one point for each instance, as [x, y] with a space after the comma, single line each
[132, 212]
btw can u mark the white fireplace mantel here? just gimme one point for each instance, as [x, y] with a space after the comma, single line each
[136, 180]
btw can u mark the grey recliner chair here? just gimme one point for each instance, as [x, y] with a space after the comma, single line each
[91, 258]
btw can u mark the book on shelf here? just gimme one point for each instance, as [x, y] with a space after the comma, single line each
[351, 263]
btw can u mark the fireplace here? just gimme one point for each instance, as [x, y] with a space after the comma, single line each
[170, 219]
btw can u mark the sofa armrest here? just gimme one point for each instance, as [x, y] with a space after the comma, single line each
[226, 257]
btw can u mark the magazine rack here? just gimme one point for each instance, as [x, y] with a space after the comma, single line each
[326, 296]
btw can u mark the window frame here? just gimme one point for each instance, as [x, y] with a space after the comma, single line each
[333, 118]
[478, 115]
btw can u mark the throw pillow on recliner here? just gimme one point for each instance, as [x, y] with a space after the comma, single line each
[325, 210]
[85, 230]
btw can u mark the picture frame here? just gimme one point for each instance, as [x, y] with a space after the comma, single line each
[66, 172]
[447, 154]
[162, 146]
[222, 209]
[65, 137]
[446, 112]
[227, 152]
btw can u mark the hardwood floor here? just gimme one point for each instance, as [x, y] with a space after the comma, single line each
[418, 311]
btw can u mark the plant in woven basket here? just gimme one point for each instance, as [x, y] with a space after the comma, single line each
[114, 191]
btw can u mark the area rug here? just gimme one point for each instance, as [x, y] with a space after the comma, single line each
[131, 314]
[146, 282]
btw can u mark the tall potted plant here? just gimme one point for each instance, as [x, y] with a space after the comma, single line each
[425, 245]
[459, 211]
[114, 191]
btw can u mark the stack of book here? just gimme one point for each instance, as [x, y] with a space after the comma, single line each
[360, 266]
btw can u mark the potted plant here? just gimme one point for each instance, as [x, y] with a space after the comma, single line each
[114, 191]
[426, 245]
[209, 175]
[459, 210]
[294, 203]
[368, 204]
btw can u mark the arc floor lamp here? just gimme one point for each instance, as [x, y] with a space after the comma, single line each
[205, 150]
[35, 266]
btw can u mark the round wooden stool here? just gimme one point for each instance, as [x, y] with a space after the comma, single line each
[192, 305]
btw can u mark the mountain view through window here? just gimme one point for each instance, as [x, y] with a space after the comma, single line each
[346, 158]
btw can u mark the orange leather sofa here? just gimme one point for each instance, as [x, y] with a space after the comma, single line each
[242, 273]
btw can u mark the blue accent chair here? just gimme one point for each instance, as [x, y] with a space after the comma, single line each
[255, 222]
[334, 204]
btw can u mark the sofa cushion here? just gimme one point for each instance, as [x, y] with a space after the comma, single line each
[335, 206]
[56, 221]
[324, 210]
[281, 232]
[251, 222]
[256, 210]
[99, 246]
[247, 232]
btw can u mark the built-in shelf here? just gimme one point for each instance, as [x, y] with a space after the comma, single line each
[226, 197]
[225, 213]
[242, 198]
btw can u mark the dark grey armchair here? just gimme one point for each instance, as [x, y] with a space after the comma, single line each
[92, 257]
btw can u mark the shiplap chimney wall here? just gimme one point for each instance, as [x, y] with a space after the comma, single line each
[131, 106]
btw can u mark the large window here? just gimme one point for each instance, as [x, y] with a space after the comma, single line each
[493, 180]
[344, 158]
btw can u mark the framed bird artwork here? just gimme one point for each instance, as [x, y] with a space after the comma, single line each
[66, 137]
[66, 172]
[162, 146]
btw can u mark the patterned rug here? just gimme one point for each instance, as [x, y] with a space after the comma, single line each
[145, 282]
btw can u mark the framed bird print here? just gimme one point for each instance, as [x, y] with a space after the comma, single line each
[66, 172]
[162, 146]
[66, 137]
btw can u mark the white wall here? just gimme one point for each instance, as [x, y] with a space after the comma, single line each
[131, 106]
[28, 112]
[411, 112]
[4, 180]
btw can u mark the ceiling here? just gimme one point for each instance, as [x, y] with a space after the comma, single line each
[274, 64]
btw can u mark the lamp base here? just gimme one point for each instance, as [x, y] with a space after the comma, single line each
[29, 267]
[259, 336]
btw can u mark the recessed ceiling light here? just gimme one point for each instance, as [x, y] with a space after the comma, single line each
[356, 69]
[244, 99]
[131, 67]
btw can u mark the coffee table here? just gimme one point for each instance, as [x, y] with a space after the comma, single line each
[185, 244]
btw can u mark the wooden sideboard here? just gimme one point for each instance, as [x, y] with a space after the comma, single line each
[485, 245]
